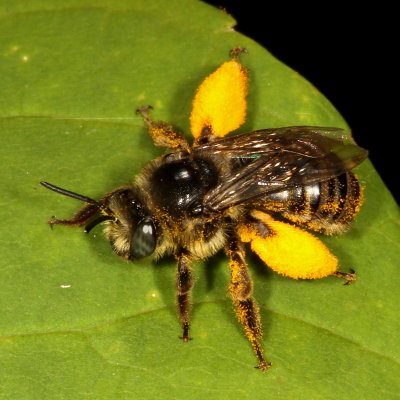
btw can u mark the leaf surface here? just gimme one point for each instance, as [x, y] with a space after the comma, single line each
[78, 322]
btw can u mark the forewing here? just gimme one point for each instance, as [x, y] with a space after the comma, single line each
[272, 160]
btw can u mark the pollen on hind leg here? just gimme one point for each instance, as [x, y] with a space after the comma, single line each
[289, 250]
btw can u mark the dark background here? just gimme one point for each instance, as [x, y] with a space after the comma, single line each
[348, 54]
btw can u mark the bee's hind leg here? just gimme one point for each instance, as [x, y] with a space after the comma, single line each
[184, 285]
[240, 289]
[162, 133]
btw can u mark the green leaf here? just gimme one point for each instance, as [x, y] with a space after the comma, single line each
[77, 322]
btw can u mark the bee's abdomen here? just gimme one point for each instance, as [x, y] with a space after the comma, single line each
[328, 207]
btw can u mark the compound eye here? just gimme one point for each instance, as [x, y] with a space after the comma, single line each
[144, 239]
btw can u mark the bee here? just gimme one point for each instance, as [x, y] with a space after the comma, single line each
[260, 188]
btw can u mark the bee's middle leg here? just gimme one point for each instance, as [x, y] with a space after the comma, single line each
[184, 285]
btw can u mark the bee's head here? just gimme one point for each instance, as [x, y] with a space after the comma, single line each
[130, 226]
[132, 230]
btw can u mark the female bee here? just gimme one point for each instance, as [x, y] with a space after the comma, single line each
[223, 192]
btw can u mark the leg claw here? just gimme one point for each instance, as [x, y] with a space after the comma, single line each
[185, 338]
[348, 277]
[263, 366]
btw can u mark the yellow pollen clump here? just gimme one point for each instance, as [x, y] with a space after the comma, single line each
[289, 250]
[220, 101]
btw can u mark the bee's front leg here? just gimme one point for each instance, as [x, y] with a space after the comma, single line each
[184, 285]
[240, 288]
[81, 217]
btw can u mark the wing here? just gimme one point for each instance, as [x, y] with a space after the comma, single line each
[271, 160]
